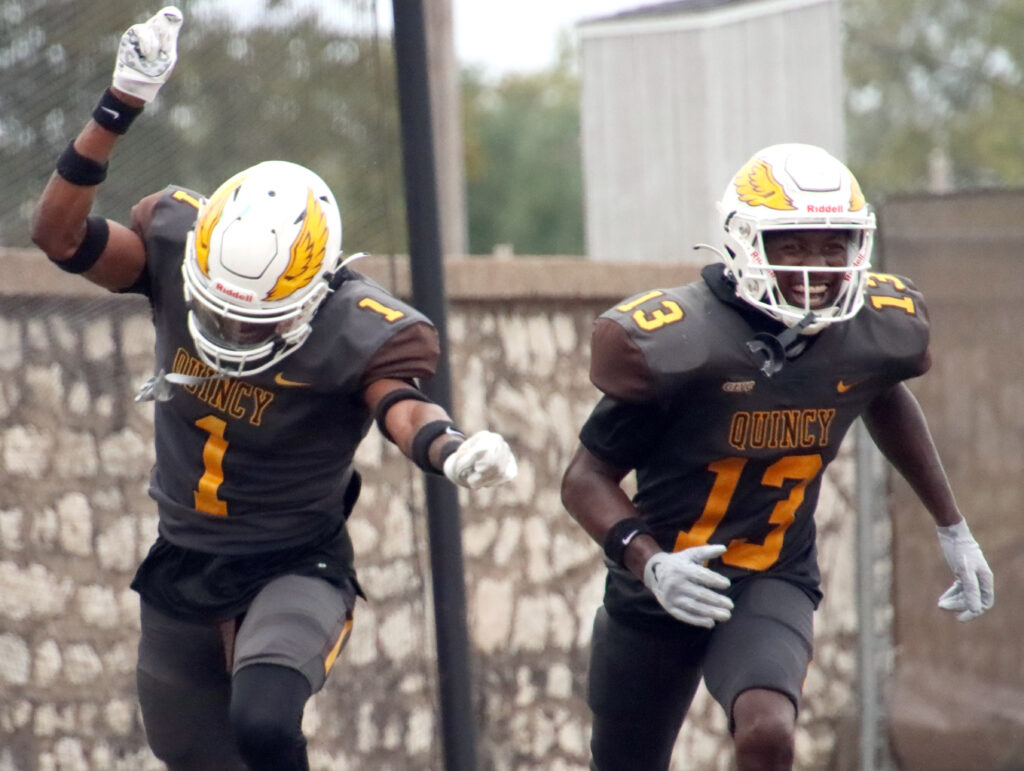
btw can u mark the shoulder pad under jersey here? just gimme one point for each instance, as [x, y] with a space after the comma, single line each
[370, 304]
[896, 313]
[171, 213]
[163, 221]
[680, 331]
[358, 317]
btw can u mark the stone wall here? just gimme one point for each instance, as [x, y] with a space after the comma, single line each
[75, 519]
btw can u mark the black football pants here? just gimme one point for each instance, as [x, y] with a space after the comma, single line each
[216, 700]
[642, 682]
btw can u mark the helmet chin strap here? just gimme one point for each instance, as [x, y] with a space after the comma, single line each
[353, 258]
[159, 387]
[777, 349]
[718, 252]
[331, 276]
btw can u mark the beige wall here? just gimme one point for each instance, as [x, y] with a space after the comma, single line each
[957, 700]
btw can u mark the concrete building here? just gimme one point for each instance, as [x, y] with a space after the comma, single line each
[676, 96]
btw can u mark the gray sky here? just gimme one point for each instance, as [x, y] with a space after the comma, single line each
[497, 35]
[504, 36]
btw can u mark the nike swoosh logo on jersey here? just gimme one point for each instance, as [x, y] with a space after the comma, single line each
[842, 386]
[281, 380]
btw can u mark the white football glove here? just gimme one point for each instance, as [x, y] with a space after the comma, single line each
[685, 588]
[973, 592]
[483, 460]
[147, 54]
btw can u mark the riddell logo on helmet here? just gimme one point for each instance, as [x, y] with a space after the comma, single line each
[830, 209]
[233, 292]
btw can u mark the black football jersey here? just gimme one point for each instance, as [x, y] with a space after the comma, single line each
[724, 453]
[248, 465]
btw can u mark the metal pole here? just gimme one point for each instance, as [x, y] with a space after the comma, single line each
[426, 267]
[868, 501]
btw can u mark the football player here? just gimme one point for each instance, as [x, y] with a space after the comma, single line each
[273, 359]
[729, 397]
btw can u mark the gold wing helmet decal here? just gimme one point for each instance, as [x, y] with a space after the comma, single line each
[757, 186]
[209, 216]
[307, 252]
[857, 199]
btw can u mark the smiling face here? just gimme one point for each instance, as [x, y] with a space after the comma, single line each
[808, 249]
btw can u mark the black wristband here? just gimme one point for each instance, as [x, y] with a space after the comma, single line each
[392, 398]
[621, 535]
[75, 168]
[113, 114]
[425, 437]
[447, 450]
[97, 233]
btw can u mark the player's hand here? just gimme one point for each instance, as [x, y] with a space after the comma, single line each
[147, 54]
[685, 588]
[973, 592]
[483, 460]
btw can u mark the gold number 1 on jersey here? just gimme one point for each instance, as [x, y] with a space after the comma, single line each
[213, 465]
[390, 314]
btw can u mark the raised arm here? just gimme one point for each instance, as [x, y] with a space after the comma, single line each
[105, 252]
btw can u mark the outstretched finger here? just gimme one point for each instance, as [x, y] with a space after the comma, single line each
[709, 578]
[953, 598]
[710, 598]
[692, 618]
[147, 41]
[707, 552]
[166, 24]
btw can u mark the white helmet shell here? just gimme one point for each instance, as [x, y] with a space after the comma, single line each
[795, 187]
[257, 266]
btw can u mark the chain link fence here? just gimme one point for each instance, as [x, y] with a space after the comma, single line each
[307, 82]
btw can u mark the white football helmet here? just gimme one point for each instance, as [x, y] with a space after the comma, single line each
[257, 266]
[795, 187]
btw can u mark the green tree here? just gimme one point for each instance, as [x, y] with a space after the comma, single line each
[523, 165]
[305, 94]
[276, 85]
[936, 81]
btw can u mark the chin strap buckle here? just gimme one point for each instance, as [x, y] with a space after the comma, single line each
[777, 349]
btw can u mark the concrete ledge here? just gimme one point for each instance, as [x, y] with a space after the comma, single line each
[484, 279]
[28, 271]
[570, 278]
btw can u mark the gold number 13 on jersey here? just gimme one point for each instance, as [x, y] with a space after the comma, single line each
[668, 313]
[879, 301]
[742, 553]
